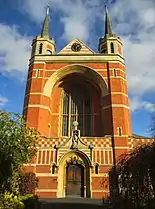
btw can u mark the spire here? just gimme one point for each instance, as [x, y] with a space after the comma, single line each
[108, 30]
[45, 29]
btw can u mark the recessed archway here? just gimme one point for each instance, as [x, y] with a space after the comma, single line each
[78, 103]
[80, 161]
[87, 72]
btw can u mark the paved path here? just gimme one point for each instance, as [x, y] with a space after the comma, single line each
[71, 203]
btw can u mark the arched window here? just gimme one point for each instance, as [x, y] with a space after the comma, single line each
[120, 131]
[76, 107]
[112, 47]
[33, 50]
[40, 48]
[96, 168]
[53, 169]
[54, 166]
[37, 73]
[115, 74]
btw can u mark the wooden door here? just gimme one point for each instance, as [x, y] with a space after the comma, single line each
[75, 180]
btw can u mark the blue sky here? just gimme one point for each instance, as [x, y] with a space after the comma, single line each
[133, 21]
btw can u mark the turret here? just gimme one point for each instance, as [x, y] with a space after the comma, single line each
[43, 44]
[109, 43]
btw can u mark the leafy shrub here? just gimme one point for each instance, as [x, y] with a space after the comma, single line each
[28, 183]
[10, 201]
[134, 175]
[30, 201]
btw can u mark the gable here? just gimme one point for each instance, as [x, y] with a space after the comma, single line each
[76, 47]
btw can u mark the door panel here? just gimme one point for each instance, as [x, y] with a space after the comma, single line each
[75, 180]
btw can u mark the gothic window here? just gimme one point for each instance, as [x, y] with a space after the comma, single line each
[112, 47]
[96, 168]
[76, 107]
[37, 73]
[115, 74]
[120, 131]
[40, 48]
[53, 169]
[33, 50]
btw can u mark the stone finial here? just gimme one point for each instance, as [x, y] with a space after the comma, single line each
[75, 124]
[47, 10]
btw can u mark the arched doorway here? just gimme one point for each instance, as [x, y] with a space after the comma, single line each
[74, 175]
[75, 180]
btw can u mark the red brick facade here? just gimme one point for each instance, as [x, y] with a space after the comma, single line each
[105, 77]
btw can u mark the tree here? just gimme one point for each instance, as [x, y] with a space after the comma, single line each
[136, 175]
[17, 146]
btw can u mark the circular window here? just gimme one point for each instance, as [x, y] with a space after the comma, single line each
[76, 47]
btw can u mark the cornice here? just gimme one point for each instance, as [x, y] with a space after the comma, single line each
[94, 58]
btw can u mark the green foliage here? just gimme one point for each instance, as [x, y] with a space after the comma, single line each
[14, 181]
[10, 201]
[17, 146]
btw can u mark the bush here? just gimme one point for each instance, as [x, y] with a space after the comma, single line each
[10, 201]
[30, 201]
[28, 183]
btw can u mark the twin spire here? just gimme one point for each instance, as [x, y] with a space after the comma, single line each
[108, 29]
[46, 30]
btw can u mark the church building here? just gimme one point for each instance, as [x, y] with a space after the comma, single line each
[78, 101]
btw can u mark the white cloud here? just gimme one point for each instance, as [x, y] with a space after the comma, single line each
[150, 107]
[136, 103]
[136, 19]
[140, 65]
[78, 16]
[3, 100]
[14, 51]
[79, 27]
[132, 20]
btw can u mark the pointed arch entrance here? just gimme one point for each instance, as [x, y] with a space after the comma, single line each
[74, 175]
